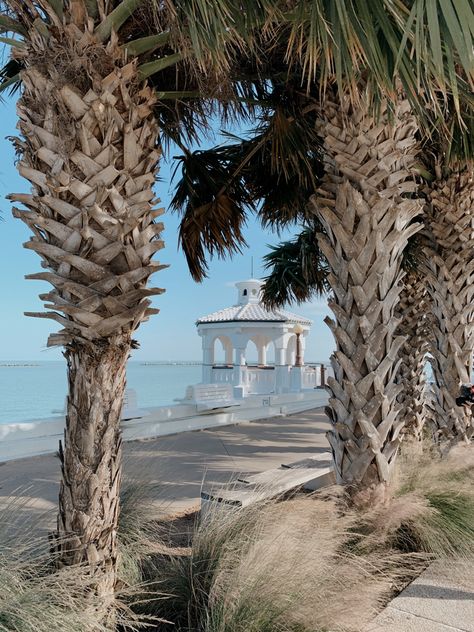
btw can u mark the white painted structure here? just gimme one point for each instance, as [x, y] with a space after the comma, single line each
[247, 324]
[36, 437]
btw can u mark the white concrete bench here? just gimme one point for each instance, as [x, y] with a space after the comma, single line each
[210, 396]
[310, 474]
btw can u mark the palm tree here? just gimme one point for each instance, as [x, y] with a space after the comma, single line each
[413, 311]
[368, 219]
[297, 272]
[374, 71]
[450, 276]
[98, 79]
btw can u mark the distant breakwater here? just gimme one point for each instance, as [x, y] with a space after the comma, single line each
[15, 365]
[170, 363]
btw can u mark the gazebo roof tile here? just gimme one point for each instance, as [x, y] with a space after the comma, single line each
[252, 312]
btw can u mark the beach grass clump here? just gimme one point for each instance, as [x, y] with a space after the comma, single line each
[138, 533]
[275, 566]
[36, 596]
[432, 510]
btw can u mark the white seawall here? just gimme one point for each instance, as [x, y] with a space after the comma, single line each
[36, 437]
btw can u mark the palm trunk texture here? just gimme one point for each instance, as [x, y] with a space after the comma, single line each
[367, 206]
[414, 311]
[88, 147]
[450, 274]
[92, 459]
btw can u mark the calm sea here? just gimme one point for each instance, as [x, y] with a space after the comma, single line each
[38, 389]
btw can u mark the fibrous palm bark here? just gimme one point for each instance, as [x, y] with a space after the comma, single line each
[414, 312]
[366, 203]
[88, 147]
[450, 275]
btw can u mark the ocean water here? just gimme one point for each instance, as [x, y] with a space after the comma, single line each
[37, 390]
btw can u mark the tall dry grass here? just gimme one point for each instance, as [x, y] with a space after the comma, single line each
[305, 564]
[38, 596]
[273, 567]
[432, 510]
[34, 595]
[313, 563]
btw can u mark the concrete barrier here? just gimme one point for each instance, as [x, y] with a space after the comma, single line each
[41, 436]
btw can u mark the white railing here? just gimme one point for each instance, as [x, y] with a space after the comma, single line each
[222, 375]
[259, 381]
[310, 377]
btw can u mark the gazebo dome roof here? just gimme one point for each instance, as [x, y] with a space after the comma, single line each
[251, 309]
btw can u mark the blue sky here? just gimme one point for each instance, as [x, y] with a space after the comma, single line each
[171, 335]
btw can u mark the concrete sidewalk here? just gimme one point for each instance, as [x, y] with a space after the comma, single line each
[175, 466]
[440, 600]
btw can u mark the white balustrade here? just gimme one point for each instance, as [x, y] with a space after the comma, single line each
[310, 377]
[222, 375]
[259, 381]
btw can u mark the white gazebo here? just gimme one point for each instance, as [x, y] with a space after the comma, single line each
[273, 332]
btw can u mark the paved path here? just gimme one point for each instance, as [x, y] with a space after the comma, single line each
[440, 600]
[175, 466]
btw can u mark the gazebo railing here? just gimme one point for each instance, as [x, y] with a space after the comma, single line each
[310, 377]
[259, 380]
[223, 374]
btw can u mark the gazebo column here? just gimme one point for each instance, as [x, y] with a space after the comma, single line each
[207, 360]
[239, 370]
[302, 346]
[297, 371]
[262, 355]
[281, 368]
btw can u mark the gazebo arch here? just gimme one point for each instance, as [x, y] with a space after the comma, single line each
[251, 352]
[228, 350]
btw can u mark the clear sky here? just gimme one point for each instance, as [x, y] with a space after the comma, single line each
[171, 335]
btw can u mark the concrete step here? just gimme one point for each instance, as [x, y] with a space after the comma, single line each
[311, 474]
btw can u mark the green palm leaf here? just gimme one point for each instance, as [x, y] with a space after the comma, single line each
[297, 270]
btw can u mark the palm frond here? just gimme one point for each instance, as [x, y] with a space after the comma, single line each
[163, 37]
[213, 209]
[297, 270]
[425, 48]
[10, 77]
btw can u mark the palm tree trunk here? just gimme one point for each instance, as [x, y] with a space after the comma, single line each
[450, 274]
[414, 312]
[366, 205]
[89, 150]
[91, 460]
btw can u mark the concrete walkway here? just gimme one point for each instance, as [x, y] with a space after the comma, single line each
[440, 600]
[175, 466]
